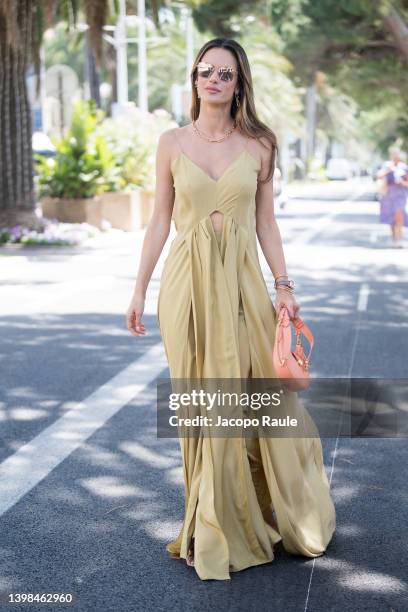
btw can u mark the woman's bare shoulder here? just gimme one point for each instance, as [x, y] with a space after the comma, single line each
[167, 137]
[261, 148]
[264, 145]
[171, 137]
[167, 144]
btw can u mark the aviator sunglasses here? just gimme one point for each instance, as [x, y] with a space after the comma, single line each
[225, 73]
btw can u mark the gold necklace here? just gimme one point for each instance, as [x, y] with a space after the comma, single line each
[226, 134]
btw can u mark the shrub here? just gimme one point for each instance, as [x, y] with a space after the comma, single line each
[83, 165]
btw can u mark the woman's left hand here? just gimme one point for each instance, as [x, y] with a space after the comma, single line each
[284, 298]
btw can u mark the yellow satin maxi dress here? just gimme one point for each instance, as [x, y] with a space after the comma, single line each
[217, 320]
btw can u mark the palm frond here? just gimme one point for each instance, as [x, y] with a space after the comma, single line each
[67, 10]
[43, 13]
[50, 11]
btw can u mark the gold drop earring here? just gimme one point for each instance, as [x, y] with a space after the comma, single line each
[237, 99]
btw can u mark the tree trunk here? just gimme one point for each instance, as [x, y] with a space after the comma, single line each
[310, 116]
[398, 28]
[111, 66]
[92, 72]
[16, 167]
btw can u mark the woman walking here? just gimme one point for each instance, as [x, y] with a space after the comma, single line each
[214, 179]
[393, 201]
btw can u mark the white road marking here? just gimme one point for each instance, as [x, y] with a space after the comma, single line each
[326, 220]
[363, 297]
[23, 470]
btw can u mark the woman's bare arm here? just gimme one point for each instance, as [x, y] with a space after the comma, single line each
[404, 181]
[157, 231]
[268, 232]
[383, 172]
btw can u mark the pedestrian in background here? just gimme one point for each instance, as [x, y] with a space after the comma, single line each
[394, 197]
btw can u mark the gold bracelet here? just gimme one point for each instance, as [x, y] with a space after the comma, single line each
[286, 283]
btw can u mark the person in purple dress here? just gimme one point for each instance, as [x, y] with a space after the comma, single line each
[393, 201]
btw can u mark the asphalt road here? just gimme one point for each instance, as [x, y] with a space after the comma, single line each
[89, 496]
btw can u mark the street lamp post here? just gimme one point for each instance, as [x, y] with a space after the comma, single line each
[143, 100]
[120, 43]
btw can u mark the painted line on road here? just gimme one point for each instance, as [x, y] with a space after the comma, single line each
[363, 297]
[23, 470]
[319, 225]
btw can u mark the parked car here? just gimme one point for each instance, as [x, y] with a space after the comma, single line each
[356, 168]
[339, 169]
[41, 145]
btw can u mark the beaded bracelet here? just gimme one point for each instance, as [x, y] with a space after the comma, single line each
[286, 283]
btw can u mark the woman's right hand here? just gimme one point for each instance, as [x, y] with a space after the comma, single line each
[134, 314]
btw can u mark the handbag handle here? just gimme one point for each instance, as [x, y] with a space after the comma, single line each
[300, 328]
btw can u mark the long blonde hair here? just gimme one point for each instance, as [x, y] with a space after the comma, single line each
[245, 114]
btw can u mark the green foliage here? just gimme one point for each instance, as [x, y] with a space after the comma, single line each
[101, 154]
[83, 165]
[293, 18]
[349, 41]
[62, 46]
[278, 101]
[133, 141]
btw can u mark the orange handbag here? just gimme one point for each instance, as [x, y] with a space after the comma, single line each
[292, 365]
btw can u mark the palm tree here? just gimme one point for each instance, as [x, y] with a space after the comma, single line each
[21, 26]
[22, 23]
